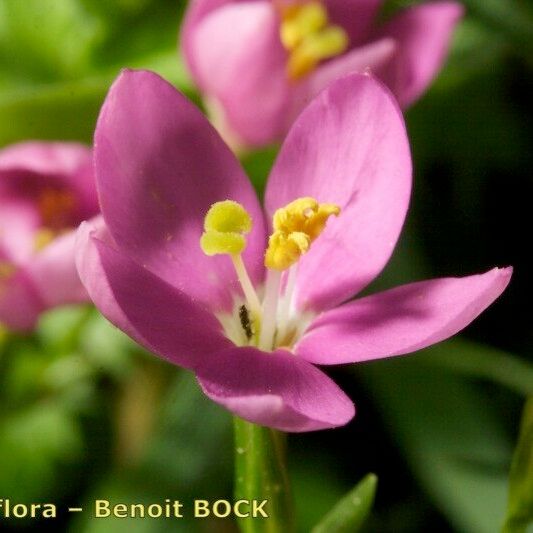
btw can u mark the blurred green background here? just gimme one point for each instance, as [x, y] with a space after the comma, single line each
[85, 414]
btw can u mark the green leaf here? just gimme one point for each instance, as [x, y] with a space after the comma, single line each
[59, 57]
[511, 18]
[200, 430]
[65, 111]
[475, 50]
[316, 490]
[137, 28]
[520, 504]
[59, 329]
[24, 374]
[107, 348]
[33, 442]
[47, 39]
[185, 459]
[479, 360]
[350, 513]
[68, 110]
[450, 435]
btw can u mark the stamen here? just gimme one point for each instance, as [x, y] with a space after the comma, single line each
[247, 287]
[306, 34]
[285, 249]
[300, 21]
[296, 226]
[225, 225]
[330, 42]
[270, 306]
[42, 238]
[287, 300]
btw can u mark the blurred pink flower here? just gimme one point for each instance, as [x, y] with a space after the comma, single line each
[46, 190]
[255, 85]
[160, 167]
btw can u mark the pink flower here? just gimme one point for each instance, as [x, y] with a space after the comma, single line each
[160, 167]
[46, 190]
[255, 84]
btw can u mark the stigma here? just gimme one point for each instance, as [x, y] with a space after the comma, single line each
[225, 226]
[308, 36]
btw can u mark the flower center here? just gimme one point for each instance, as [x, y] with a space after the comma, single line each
[271, 322]
[56, 207]
[308, 36]
[7, 269]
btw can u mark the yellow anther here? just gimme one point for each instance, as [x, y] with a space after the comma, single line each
[42, 238]
[225, 225]
[304, 215]
[330, 42]
[298, 21]
[285, 249]
[296, 226]
[306, 34]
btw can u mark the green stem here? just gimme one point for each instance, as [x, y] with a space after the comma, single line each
[261, 474]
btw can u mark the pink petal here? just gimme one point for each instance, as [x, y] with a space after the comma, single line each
[197, 10]
[38, 164]
[276, 389]
[155, 314]
[400, 320]
[19, 220]
[363, 59]
[159, 167]
[53, 273]
[20, 306]
[240, 63]
[348, 147]
[355, 16]
[46, 279]
[423, 34]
